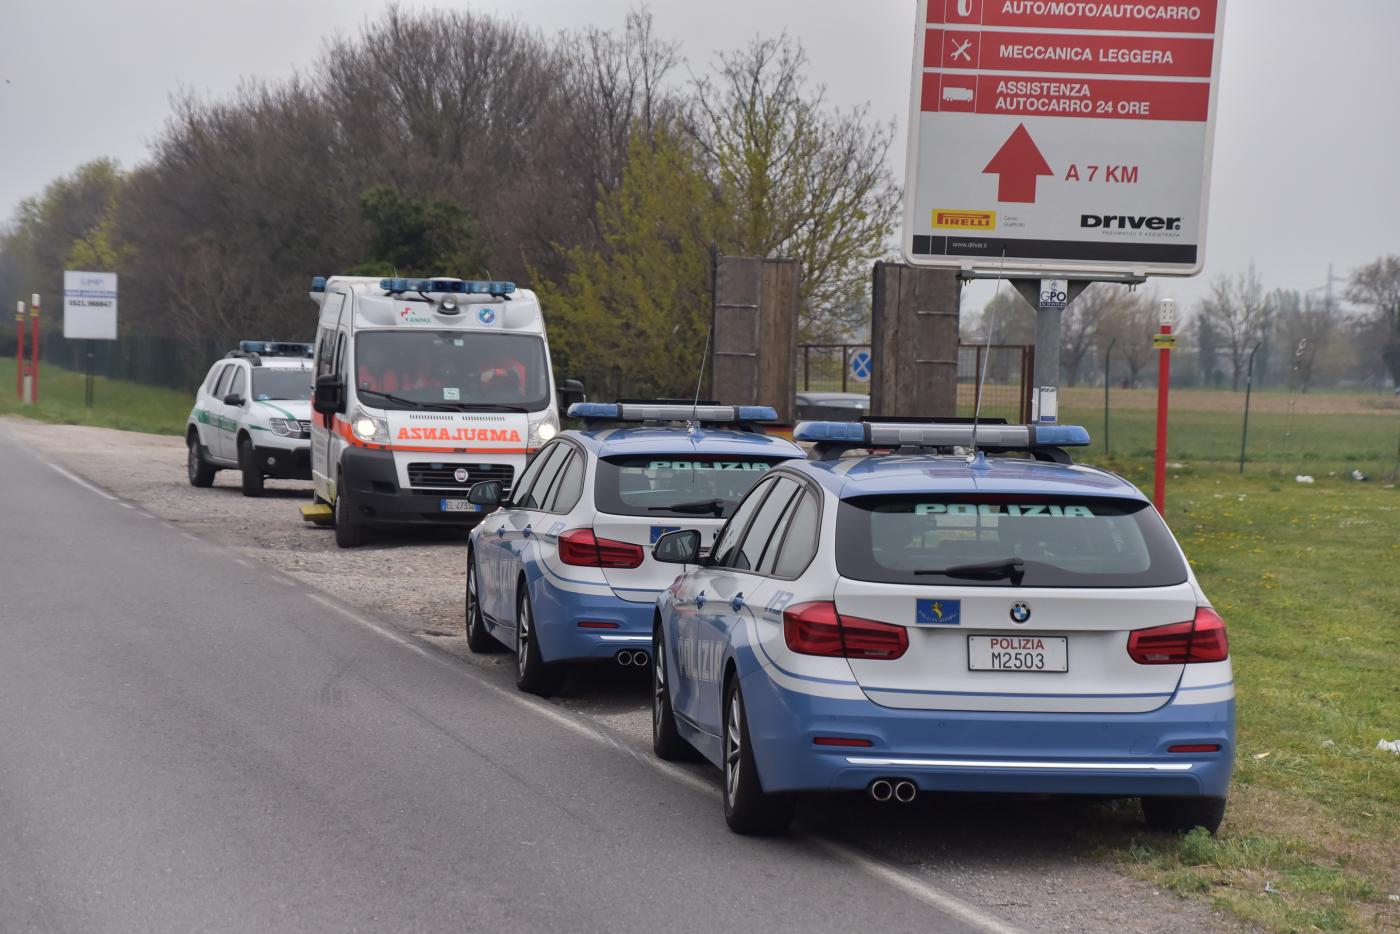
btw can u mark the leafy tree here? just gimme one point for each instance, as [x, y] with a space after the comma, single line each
[419, 236]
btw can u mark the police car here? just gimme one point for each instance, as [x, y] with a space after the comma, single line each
[563, 571]
[919, 620]
[253, 414]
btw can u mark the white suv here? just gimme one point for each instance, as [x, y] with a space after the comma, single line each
[253, 414]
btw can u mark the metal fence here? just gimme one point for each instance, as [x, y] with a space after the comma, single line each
[147, 359]
[827, 368]
[1005, 392]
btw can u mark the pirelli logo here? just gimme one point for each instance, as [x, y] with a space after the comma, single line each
[964, 220]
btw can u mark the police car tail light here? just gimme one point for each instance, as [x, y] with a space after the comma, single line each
[817, 629]
[1201, 640]
[581, 548]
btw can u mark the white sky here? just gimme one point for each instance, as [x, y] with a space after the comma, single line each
[1307, 158]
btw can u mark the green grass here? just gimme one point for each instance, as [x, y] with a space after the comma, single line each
[116, 404]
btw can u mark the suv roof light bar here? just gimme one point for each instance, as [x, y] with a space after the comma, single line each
[278, 348]
[1044, 442]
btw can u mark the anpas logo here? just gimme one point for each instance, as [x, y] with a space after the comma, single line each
[486, 316]
[1128, 222]
[495, 435]
[964, 220]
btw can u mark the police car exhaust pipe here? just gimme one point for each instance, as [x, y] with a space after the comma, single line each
[640, 659]
[881, 790]
[905, 791]
[624, 658]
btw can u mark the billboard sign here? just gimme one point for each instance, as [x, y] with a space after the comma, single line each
[89, 305]
[1065, 137]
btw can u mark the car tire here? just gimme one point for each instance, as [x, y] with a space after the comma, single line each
[348, 533]
[247, 465]
[532, 675]
[748, 809]
[201, 472]
[479, 640]
[666, 740]
[1178, 815]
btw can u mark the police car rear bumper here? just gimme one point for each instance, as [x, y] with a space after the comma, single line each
[1112, 755]
[559, 613]
[369, 480]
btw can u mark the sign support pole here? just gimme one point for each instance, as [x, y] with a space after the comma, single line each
[34, 343]
[87, 388]
[19, 351]
[1107, 379]
[1167, 318]
[1248, 390]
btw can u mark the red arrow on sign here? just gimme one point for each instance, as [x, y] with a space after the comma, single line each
[1019, 164]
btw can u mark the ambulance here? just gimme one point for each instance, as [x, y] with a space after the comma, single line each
[424, 388]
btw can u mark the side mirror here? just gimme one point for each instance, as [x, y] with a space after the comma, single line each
[328, 397]
[487, 494]
[570, 392]
[233, 399]
[680, 547]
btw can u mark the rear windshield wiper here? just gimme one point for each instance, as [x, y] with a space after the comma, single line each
[410, 403]
[1014, 568]
[715, 506]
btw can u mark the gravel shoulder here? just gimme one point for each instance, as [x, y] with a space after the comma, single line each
[1029, 860]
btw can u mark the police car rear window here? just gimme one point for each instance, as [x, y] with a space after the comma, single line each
[677, 485]
[1002, 541]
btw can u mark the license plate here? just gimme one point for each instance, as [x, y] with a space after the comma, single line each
[459, 505]
[1017, 653]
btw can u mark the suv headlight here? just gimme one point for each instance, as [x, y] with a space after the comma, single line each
[288, 427]
[371, 429]
[543, 430]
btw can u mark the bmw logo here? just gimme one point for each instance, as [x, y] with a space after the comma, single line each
[486, 316]
[1021, 613]
[461, 476]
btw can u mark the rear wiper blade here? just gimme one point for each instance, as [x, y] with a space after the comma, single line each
[715, 506]
[412, 403]
[1014, 568]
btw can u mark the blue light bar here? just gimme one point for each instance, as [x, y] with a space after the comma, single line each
[934, 434]
[1061, 436]
[822, 432]
[447, 286]
[318, 284]
[672, 412]
[278, 348]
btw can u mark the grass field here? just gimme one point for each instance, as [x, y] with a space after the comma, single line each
[1307, 577]
[116, 404]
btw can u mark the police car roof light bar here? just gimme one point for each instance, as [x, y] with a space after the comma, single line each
[278, 348]
[672, 412]
[1044, 442]
[318, 284]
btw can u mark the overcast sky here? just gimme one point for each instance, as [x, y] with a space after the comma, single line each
[1307, 156]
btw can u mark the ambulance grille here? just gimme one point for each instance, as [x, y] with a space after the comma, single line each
[443, 476]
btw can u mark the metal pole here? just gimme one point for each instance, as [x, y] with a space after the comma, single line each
[1167, 317]
[34, 343]
[1107, 381]
[19, 350]
[1248, 390]
[806, 367]
[87, 389]
[845, 365]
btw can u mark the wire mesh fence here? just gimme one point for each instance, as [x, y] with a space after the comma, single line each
[1005, 389]
[151, 360]
[828, 368]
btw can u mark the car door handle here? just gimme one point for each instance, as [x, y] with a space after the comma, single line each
[527, 531]
[700, 599]
[737, 603]
[501, 532]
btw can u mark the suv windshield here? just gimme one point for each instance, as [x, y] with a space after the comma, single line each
[411, 369]
[678, 484]
[289, 383]
[1005, 540]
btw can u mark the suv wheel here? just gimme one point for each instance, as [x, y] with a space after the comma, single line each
[248, 465]
[197, 464]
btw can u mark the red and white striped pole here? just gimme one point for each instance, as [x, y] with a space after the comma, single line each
[1164, 340]
[34, 342]
[19, 350]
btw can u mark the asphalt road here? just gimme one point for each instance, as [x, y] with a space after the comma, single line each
[192, 742]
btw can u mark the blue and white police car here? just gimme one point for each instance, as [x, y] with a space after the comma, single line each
[563, 571]
[920, 620]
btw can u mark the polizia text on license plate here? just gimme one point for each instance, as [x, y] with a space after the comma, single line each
[1018, 653]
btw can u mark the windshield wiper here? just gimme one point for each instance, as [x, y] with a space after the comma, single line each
[488, 407]
[715, 506]
[411, 403]
[1013, 568]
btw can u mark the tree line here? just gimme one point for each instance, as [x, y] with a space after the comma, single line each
[597, 166]
[1348, 335]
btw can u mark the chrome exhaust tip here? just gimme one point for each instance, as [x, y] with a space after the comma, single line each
[641, 659]
[905, 791]
[881, 790]
[624, 658]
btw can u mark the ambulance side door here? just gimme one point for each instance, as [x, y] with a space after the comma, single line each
[323, 426]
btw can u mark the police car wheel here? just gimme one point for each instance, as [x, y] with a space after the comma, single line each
[247, 465]
[348, 534]
[478, 639]
[747, 809]
[666, 740]
[1178, 815]
[532, 675]
[200, 470]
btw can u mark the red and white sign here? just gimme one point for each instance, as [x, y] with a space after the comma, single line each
[1062, 136]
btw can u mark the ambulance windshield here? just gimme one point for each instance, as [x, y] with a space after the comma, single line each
[451, 370]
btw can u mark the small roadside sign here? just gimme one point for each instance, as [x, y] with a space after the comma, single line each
[861, 366]
[89, 305]
[1163, 341]
[1070, 138]
[1054, 293]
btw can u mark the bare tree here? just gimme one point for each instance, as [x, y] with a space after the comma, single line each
[1081, 324]
[1376, 287]
[1240, 312]
[1129, 323]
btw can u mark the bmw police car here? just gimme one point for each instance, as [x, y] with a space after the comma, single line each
[253, 414]
[563, 571]
[921, 621]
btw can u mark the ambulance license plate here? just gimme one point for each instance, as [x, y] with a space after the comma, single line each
[459, 505]
[1017, 653]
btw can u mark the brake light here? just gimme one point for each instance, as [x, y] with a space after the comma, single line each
[817, 629]
[849, 742]
[1201, 640]
[1195, 747]
[580, 547]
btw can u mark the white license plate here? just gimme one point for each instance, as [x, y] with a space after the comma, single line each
[459, 505]
[1017, 653]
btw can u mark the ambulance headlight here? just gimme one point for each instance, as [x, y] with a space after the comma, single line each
[543, 430]
[369, 428]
